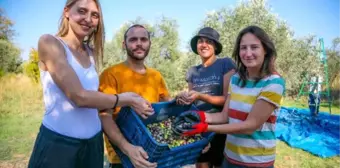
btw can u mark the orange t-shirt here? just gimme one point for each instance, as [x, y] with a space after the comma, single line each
[120, 78]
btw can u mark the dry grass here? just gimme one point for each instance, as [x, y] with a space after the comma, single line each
[20, 116]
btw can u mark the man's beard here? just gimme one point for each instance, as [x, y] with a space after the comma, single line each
[131, 55]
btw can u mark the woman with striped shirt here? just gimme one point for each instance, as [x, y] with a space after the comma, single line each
[253, 102]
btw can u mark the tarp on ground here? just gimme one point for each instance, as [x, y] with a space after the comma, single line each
[318, 135]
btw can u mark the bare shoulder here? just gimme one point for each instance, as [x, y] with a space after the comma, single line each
[49, 46]
[47, 39]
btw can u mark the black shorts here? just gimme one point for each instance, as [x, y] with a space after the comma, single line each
[115, 165]
[53, 150]
[215, 154]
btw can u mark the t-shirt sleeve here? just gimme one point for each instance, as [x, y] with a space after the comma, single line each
[163, 91]
[230, 85]
[188, 76]
[273, 91]
[107, 83]
[228, 64]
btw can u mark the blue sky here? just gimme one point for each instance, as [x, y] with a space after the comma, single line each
[33, 18]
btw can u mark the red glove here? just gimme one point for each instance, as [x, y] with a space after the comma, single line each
[197, 129]
[193, 116]
[190, 123]
[202, 116]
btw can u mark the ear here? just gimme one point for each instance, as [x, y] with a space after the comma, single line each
[123, 45]
[66, 12]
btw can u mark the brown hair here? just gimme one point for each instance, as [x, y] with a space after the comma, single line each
[95, 39]
[267, 67]
[133, 26]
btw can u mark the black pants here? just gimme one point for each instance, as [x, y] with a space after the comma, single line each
[215, 154]
[52, 150]
[116, 165]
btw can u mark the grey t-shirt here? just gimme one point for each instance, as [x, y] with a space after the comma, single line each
[209, 80]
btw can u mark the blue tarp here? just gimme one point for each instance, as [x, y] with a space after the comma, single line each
[318, 135]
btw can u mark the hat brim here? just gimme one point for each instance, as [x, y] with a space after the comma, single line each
[193, 43]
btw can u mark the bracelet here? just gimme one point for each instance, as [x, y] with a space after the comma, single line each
[117, 99]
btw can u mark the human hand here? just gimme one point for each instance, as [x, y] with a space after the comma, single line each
[193, 95]
[185, 121]
[197, 129]
[191, 116]
[206, 149]
[183, 98]
[141, 106]
[138, 157]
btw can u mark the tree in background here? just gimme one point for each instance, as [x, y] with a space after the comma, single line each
[113, 50]
[164, 53]
[9, 57]
[295, 59]
[333, 61]
[295, 56]
[6, 31]
[9, 54]
[333, 56]
[31, 68]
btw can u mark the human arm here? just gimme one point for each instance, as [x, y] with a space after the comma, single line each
[137, 155]
[215, 100]
[259, 114]
[52, 55]
[262, 111]
[268, 100]
[219, 118]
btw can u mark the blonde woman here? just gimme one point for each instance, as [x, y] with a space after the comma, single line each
[71, 132]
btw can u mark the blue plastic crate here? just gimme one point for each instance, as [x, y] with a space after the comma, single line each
[134, 129]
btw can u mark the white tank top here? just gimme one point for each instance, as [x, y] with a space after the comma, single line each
[61, 114]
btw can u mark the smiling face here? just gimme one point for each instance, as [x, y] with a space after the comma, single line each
[251, 51]
[254, 54]
[83, 17]
[205, 47]
[137, 43]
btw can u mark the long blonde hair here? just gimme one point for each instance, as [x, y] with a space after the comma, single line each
[95, 39]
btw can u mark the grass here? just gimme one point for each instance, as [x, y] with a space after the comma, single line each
[303, 103]
[287, 157]
[20, 116]
[21, 111]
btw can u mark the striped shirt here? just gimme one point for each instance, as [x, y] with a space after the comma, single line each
[257, 149]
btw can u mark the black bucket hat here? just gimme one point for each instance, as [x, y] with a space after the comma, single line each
[210, 34]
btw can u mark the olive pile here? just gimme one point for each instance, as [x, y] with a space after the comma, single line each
[162, 133]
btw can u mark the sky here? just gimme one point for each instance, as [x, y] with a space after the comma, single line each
[32, 18]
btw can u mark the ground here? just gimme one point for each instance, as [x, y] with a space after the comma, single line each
[21, 110]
